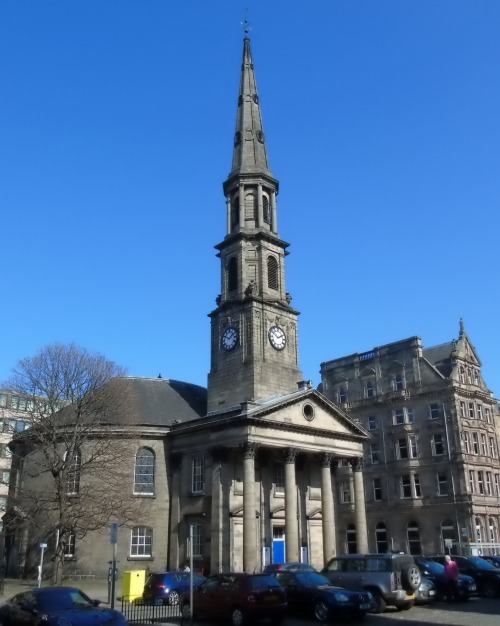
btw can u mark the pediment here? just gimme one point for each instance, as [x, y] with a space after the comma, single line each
[396, 366]
[367, 372]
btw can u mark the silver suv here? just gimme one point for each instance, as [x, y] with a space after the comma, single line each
[392, 578]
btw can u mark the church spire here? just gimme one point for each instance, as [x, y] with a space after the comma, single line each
[250, 152]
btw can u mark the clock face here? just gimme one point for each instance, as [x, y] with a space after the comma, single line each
[230, 338]
[277, 337]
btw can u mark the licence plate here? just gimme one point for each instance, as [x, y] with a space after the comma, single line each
[472, 587]
[272, 598]
[365, 607]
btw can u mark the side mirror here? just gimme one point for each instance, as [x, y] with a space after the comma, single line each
[96, 602]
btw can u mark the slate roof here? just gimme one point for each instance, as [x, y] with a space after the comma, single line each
[440, 357]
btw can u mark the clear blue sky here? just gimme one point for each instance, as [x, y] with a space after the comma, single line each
[382, 120]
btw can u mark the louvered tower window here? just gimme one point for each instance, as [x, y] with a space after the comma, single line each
[235, 212]
[232, 274]
[272, 273]
[266, 210]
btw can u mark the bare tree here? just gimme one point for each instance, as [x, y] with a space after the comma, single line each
[73, 462]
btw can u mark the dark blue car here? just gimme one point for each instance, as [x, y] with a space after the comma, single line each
[314, 595]
[56, 606]
[167, 587]
[466, 588]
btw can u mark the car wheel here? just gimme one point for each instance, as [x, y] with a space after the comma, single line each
[237, 617]
[173, 597]
[321, 611]
[186, 611]
[490, 590]
[380, 603]
[410, 577]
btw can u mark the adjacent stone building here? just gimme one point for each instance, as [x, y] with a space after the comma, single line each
[431, 466]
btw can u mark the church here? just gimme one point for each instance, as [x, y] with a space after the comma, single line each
[245, 469]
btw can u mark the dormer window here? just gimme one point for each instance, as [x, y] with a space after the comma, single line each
[399, 382]
[342, 395]
[369, 389]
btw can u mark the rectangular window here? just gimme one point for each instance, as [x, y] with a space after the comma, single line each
[409, 415]
[479, 411]
[377, 489]
[3, 503]
[434, 411]
[497, 484]
[489, 483]
[197, 541]
[399, 383]
[480, 482]
[475, 443]
[5, 477]
[492, 448]
[405, 486]
[345, 491]
[472, 412]
[442, 481]
[413, 446]
[69, 548]
[416, 485]
[437, 444]
[465, 436]
[374, 453]
[342, 395]
[462, 409]
[3, 400]
[472, 482]
[487, 414]
[402, 448]
[369, 389]
[399, 416]
[141, 541]
[279, 478]
[372, 422]
[198, 475]
[483, 444]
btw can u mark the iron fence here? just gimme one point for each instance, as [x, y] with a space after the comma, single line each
[136, 611]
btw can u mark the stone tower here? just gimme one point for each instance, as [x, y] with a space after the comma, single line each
[254, 339]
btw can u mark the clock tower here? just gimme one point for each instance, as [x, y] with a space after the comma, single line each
[254, 339]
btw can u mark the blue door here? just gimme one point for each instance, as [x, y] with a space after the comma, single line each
[278, 544]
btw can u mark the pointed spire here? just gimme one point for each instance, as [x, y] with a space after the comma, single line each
[462, 329]
[250, 153]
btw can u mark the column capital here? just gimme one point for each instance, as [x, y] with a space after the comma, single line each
[290, 455]
[326, 459]
[357, 464]
[249, 449]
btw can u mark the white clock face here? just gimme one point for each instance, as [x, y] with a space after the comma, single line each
[277, 337]
[230, 338]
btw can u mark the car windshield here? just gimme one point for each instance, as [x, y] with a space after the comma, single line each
[480, 563]
[312, 579]
[432, 567]
[61, 599]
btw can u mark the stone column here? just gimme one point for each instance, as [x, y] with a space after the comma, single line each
[228, 213]
[359, 505]
[217, 519]
[274, 225]
[249, 506]
[291, 523]
[328, 507]
[260, 208]
[242, 205]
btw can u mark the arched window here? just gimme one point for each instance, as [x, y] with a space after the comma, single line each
[266, 210]
[351, 542]
[232, 274]
[413, 535]
[381, 538]
[250, 207]
[144, 475]
[74, 461]
[235, 211]
[272, 273]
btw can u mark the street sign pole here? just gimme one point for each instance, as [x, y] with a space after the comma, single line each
[40, 567]
[114, 540]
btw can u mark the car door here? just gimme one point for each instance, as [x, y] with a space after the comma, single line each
[334, 571]
[294, 592]
[22, 609]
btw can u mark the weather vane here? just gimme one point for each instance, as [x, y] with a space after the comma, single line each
[246, 23]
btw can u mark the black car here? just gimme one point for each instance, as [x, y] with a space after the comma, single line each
[486, 575]
[492, 558]
[167, 587]
[237, 597]
[57, 606]
[433, 570]
[313, 594]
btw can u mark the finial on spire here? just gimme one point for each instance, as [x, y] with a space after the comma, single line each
[246, 23]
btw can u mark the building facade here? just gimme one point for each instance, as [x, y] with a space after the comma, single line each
[431, 465]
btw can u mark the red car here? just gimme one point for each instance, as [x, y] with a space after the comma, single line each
[239, 598]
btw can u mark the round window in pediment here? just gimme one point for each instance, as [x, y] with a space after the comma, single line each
[308, 411]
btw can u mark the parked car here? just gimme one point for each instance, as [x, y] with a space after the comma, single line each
[237, 597]
[56, 606]
[166, 587]
[391, 578]
[314, 595]
[494, 559]
[486, 575]
[426, 591]
[434, 571]
[276, 567]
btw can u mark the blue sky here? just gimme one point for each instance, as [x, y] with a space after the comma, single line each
[382, 120]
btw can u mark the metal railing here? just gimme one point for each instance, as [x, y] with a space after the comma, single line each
[136, 611]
